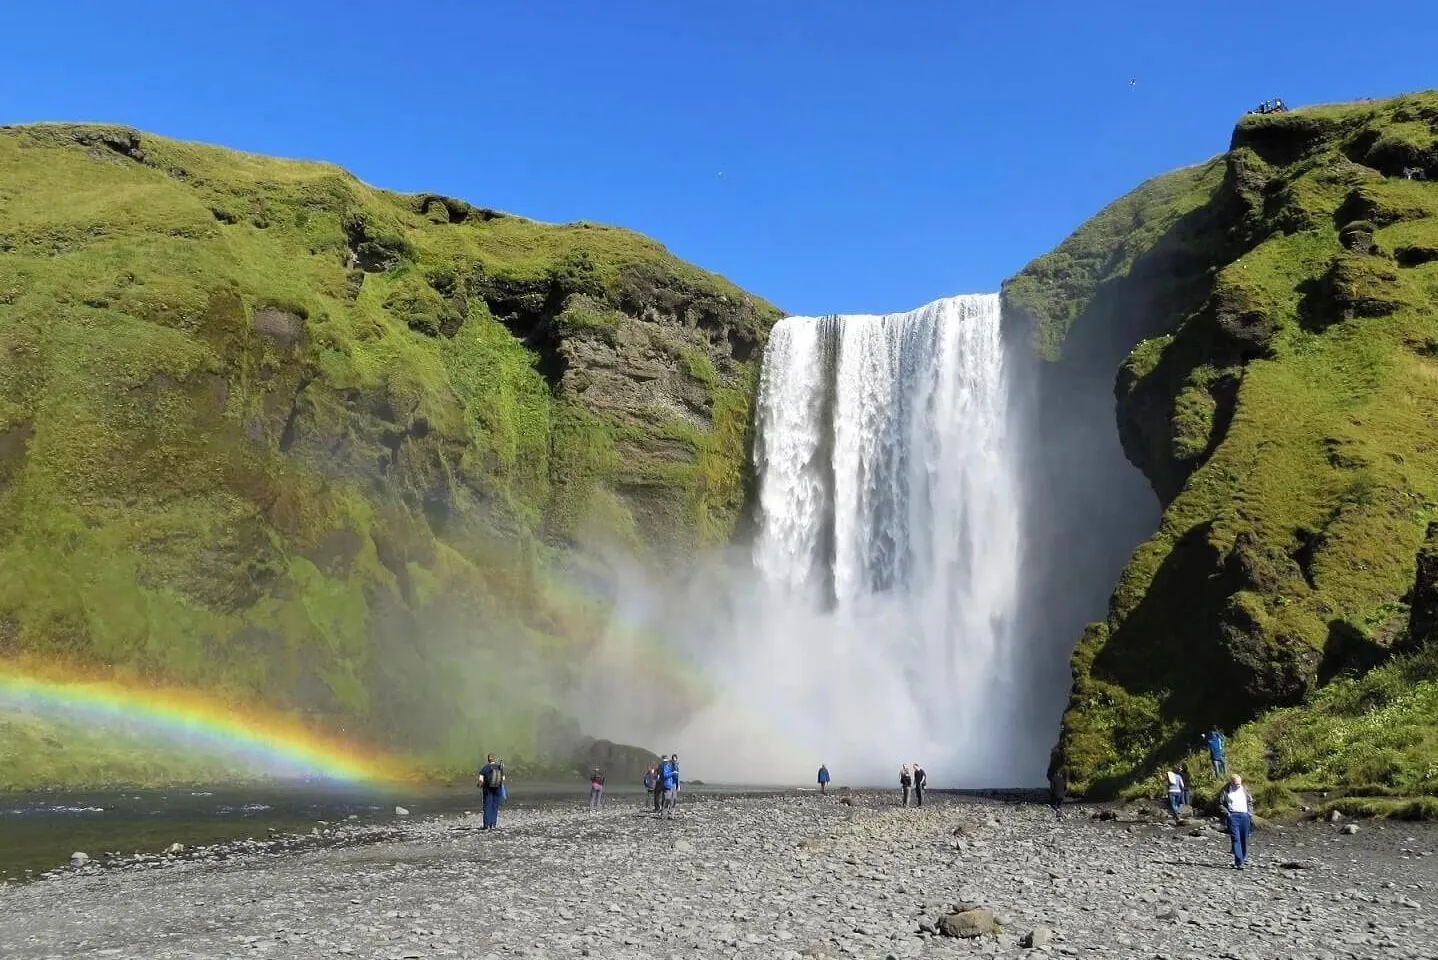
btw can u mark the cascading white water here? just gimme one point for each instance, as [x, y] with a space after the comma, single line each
[889, 538]
[877, 623]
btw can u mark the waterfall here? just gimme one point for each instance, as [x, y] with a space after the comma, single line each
[889, 538]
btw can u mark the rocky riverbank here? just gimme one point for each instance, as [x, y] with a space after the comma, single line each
[786, 876]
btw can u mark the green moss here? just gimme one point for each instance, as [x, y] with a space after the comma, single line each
[291, 435]
[1278, 397]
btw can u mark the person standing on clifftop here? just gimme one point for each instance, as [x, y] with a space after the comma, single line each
[596, 790]
[1237, 802]
[921, 780]
[1215, 753]
[823, 778]
[906, 781]
[491, 782]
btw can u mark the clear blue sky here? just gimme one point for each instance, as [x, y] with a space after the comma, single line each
[874, 155]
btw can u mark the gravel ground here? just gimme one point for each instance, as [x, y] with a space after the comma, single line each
[779, 877]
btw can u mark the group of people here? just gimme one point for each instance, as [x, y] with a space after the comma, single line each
[1271, 106]
[662, 780]
[1235, 802]
[913, 779]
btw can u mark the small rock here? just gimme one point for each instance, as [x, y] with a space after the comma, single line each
[1350, 829]
[1039, 936]
[683, 846]
[175, 849]
[401, 811]
[1334, 816]
[78, 859]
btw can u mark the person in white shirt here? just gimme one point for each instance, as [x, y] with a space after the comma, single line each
[1237, 802]
[1175, 792]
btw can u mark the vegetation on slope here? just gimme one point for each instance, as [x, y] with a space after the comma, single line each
[1280, 305]
[268, 429]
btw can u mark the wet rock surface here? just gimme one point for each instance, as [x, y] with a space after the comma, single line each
[773, 877]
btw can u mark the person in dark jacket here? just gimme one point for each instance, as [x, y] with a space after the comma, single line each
[921, 780]
[491, 782]
[1237, 802]
[1058, 791]
[823, 778]
[658, 785]
[906, 782]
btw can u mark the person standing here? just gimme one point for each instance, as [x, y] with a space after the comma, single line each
[1058, 790]
[491, 782]
[1187, 785]
[658, 784]
[651, 780]
[906, 782]
[823, 778]
[1215, 753]
[1175, 792]
[921, 780]
[669, 782]
[596, 790]
[1237, 802]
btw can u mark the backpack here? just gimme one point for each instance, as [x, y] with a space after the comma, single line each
[494, 779]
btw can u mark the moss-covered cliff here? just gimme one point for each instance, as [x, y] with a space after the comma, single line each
[267, 429]
[1278, 308]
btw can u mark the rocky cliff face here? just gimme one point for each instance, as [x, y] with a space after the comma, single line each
[1272, 316]
[267, 429]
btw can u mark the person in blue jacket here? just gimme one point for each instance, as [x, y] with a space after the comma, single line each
[823, 778]
[1215, 753]
[669, 782]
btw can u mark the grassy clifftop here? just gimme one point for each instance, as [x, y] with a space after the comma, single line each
[1278, 308]
[268, 429]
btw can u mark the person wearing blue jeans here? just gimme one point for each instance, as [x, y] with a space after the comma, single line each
[491, 782]
[1237, 802]
[1175, 792]
[1215, 753]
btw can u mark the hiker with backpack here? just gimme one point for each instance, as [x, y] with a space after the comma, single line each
[596, 790]
[491, 782]
[921, 780]
[906, 782]
[1058, 790]
[823, 778]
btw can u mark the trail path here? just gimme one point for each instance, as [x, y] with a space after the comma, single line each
[783, 877]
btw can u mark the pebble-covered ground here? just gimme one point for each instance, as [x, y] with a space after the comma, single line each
[780, 877]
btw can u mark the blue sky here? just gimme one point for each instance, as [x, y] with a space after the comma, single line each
[874, 155]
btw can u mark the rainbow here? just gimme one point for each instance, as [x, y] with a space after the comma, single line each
[199, 721]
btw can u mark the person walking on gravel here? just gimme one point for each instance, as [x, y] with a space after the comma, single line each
[1237, 802]
[823, 778]
[658, 787]
[906, 782]
[1215, 753]
[669, 780]
[596, 790]
[1175, 792]
[651, 786]
[1058, 789]
[491, 783]
[921, 780]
